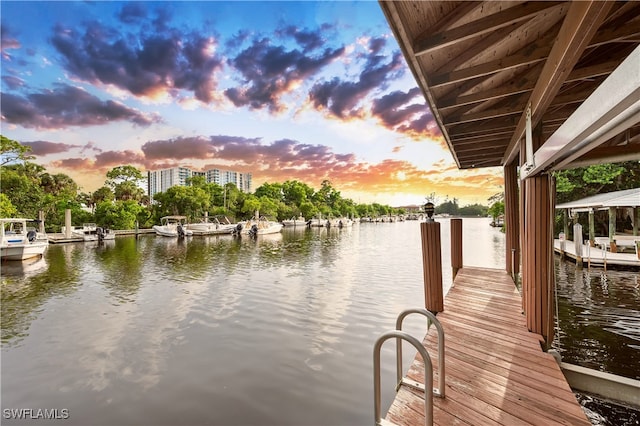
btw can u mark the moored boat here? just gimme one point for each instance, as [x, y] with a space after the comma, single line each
[216, 225]
[172, 226]
[19, 241]
[261, 226]
[295, 221]
[91, 232]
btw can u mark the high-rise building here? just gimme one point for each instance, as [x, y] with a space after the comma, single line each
[223, 177]
[161, 180]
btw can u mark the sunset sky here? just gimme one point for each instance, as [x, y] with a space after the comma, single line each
[283, 90]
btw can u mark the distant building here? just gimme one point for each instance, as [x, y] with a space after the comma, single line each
[161, 180]
[223, 177]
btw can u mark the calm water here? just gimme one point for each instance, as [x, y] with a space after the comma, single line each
[217, 330]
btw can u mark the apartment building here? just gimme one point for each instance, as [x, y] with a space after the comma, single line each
[161, 180]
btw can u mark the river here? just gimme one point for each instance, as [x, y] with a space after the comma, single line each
[218, 330]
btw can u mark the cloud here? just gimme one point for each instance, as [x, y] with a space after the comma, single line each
[144, 65]
[13, 82]
[66, 106]
[308, 39]
[342, 98]
[132, 13]
[42, 148]
[270, 71]
[74, 164]
[8, 41]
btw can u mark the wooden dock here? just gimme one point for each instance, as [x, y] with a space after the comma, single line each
[596, 256]
[496, 371]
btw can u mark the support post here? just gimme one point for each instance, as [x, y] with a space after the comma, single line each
[577, 241]
[538, 250]
[636, 215]
[612, 229]
[456, 246]
[41, 223]
[67, 223]
[592, 228]
[512, 220]
[432, 266]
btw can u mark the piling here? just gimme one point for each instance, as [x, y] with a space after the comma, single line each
[67, 223]
[456, 246]
[432, 266]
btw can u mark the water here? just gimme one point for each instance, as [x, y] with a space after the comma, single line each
[599, 328]
[217, 330]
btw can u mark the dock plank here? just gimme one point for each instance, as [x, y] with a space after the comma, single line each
[496, 371]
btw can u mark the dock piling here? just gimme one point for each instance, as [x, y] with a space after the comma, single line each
[456, 246]
[432, 266]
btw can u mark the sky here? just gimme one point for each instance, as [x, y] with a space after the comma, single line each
[286, 90]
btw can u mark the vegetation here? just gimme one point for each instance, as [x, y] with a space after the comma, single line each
[583, 182]
[26, 188]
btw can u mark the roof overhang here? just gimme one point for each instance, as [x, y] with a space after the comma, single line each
[482, 64]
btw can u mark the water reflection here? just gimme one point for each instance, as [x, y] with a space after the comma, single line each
[26, 287]
[599, 318]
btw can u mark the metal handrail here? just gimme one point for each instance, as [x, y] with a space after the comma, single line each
[428, 374]
[441, 375]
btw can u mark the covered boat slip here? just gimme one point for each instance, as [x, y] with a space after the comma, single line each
[496, 372]
[532, 87]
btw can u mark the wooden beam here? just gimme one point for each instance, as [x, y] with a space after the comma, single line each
[581, 23]
[482, 45]
[537, 54]
[481, 26]
[485, 115]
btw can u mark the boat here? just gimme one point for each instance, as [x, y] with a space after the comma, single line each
[91, 232]
[295, 221]
[173, 226]
[217, 225]
[19, 241]
[317, 223]
[262, 226]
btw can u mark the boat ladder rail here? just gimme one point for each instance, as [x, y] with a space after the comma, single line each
[427, 386]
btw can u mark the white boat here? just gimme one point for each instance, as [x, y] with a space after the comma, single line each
[341, 222]
[20, 242]
[173, 226]
[261, 226]
[318, 223]
[215, 226]
[91, 232]
[295, 221]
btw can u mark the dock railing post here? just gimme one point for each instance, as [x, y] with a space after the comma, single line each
[432, 262]
[456, 246]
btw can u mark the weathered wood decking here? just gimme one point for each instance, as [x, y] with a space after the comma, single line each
[496, 371]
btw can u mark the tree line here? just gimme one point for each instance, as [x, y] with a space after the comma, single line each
[27, 188]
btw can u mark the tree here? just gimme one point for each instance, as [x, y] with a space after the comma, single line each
[13, 151]
[125, 182]
[119, 214]
[448, 207]
[270, 190]
[6, 208]
[577, 183]
[183, 200]
[496, 209]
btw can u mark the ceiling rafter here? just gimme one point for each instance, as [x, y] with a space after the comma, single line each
[478, 73]
[581, 22]
[481, 26]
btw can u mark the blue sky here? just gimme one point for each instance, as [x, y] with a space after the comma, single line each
[283, 90]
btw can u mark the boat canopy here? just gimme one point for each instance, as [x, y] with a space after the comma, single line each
[624, 198]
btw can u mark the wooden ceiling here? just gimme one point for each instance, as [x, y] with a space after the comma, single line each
[480, 64]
